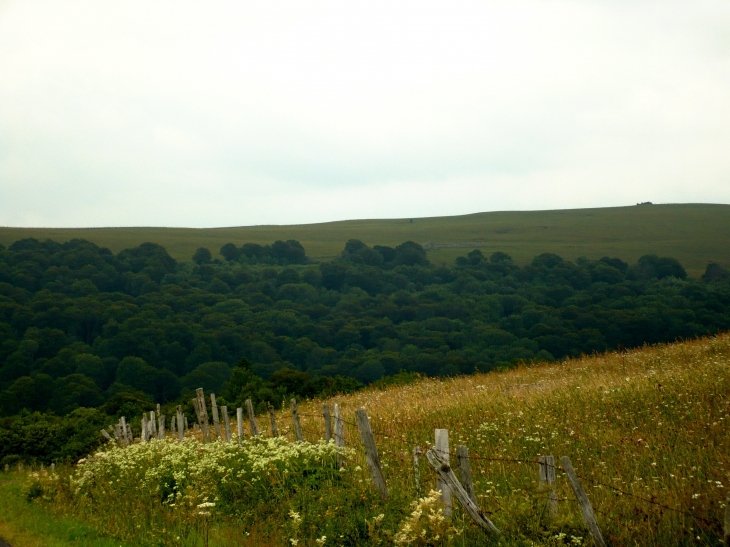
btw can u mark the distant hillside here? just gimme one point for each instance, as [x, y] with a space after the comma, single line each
[695, 234]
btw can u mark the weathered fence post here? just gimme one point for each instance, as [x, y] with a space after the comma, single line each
[203, 416]
[327, 422]
[371, 452]
[297, 425]
[180, 421]
[161, 429]
[416, 471]
[272, 420]
[446, 476]
[226, 423]
[152, 424]
[173, 424]
[442, 446]
[143, 437]
[239, 424]
[252, 418]
[462, 458]
[216, 419]
[547, 480]
[106, 435]
[158, 418]
[339, 433]
[585, 505]
[125, 432]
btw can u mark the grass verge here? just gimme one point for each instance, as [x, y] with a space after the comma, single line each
[24, 524]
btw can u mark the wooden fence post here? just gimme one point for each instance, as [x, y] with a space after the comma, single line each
[216, 418]
[106, 435]
[327, 422]
[125, 432]
[180, 423]
[339, 433]
[371, 452]
[152, 424]
[547, 480]
[173, 424]
[239, 424]
[272, 420]
[161, 428]
[442, 446]
[203, 417]
[158, 418]
[226, 423]
[585, 505]
[446, 474]
[143, 437]
[252, 418]
[462, 458]
[297, 425]
[416, 471]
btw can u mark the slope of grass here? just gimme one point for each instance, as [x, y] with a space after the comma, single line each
[646, 431]
[28, 525]
[693, 233]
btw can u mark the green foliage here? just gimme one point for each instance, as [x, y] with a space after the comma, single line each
[84, 328]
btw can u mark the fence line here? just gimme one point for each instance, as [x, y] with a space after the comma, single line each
[124, 438]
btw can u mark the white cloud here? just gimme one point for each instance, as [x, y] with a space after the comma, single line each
[175, 113]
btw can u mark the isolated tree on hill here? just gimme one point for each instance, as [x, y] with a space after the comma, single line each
[202, 255]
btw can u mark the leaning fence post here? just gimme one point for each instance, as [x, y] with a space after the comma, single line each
[339, 433]
[371, 452]
[226, 423]
[327, 422]
[416, 472]
[442, 446]
[203, 416]
[297, 425]
[180, 430]
[585, 505]
[446, 474]
[272, 421]
[106, 435]
[547, 479]
[462, 457]
[252, 418]
[239, 424]
[216, 418]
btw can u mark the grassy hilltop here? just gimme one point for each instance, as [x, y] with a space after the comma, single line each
[692, 233]
[646, 431]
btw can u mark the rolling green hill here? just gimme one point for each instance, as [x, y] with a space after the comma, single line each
[695, 234]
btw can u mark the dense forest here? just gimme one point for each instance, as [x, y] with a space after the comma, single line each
[87, 335]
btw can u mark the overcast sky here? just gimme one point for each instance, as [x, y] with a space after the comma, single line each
[279, 112]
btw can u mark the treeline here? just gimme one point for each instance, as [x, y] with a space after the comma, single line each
[82, 327]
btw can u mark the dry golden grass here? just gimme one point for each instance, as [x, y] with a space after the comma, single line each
[646, 430]
[652, 422]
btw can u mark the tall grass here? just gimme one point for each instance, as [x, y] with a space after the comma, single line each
[646, 430]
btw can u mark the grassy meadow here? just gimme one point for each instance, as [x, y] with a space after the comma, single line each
[646, 430]
[695, 234]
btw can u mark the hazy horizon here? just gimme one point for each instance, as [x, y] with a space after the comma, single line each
[241, 114]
